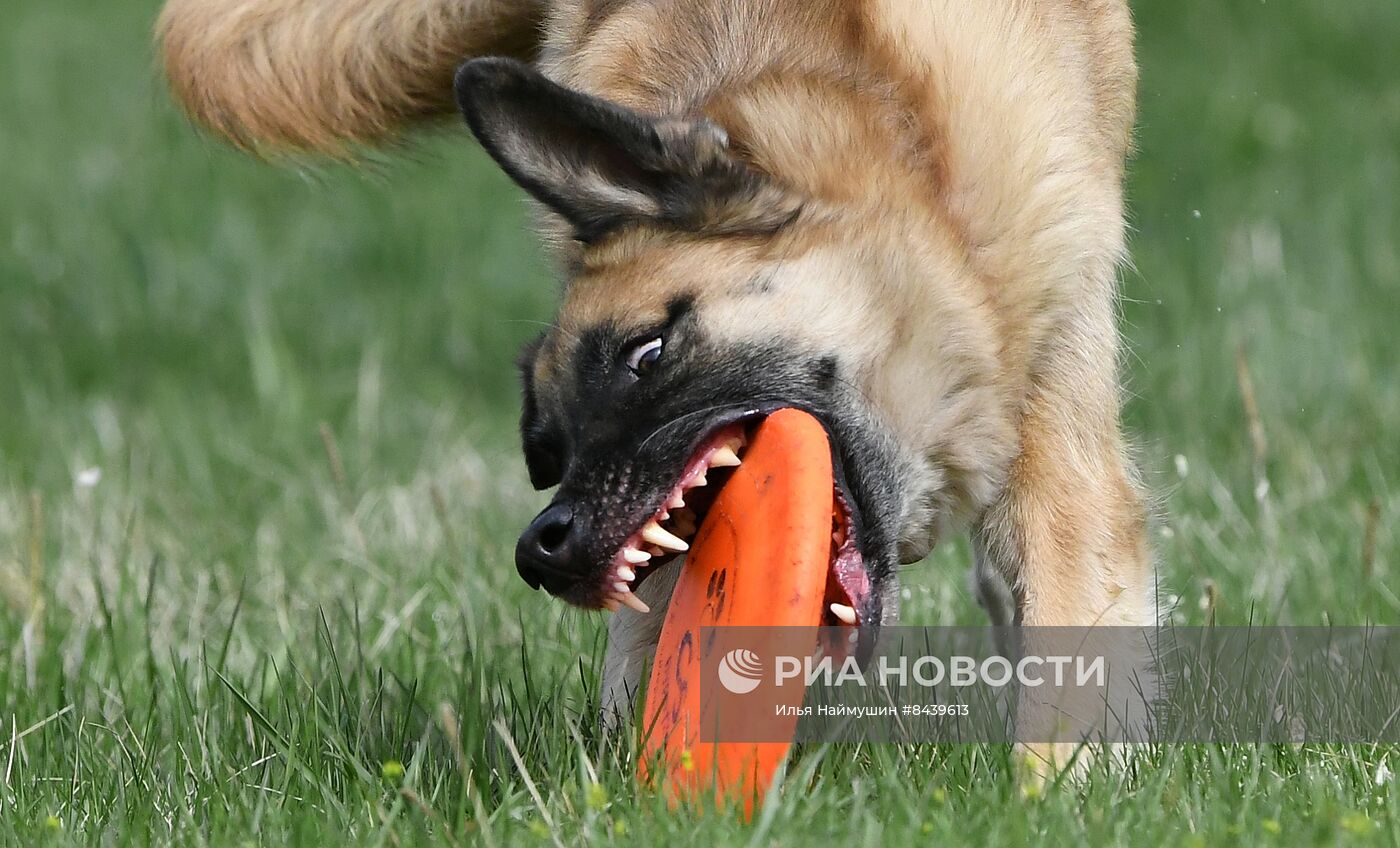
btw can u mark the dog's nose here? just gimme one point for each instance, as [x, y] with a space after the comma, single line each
[547, 547]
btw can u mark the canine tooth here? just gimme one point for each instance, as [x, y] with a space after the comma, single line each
[626, 573]
[657, 535]
[634, 602]
[724, 457]
[845, 613]
[635, 556]
[621, 588]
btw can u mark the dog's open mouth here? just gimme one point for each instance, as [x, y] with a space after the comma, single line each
[674, 523]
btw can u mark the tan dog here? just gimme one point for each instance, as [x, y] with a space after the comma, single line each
[903, 215]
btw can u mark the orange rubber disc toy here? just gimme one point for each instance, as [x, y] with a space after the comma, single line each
[761, 558]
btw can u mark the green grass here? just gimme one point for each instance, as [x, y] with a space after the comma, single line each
[226, 638]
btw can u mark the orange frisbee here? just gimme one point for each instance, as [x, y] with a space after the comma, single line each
[761, 558]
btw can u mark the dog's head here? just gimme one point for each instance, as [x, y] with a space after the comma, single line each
[703, 295]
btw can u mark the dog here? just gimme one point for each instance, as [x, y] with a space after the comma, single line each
[904, 216]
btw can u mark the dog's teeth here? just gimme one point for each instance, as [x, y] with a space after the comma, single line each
[658, 536]
[634, 602]
[724, 457]
[635, 556]
[621, 588]
[697, 481]
[676, 501]
[843, 612]
[626, 573]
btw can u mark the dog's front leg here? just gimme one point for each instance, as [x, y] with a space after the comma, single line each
[1068, 532]
[632, 638]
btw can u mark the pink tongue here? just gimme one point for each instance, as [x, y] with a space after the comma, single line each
[850, 573]
[847, 566]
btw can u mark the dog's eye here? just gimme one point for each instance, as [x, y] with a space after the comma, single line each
[642, 358]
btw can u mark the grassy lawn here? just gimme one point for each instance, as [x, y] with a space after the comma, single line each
[259, 487]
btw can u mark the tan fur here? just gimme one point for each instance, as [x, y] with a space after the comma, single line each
[961, 164]
[999, 132]
[325, 75]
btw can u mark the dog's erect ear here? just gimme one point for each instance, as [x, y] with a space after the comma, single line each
[602, 166]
